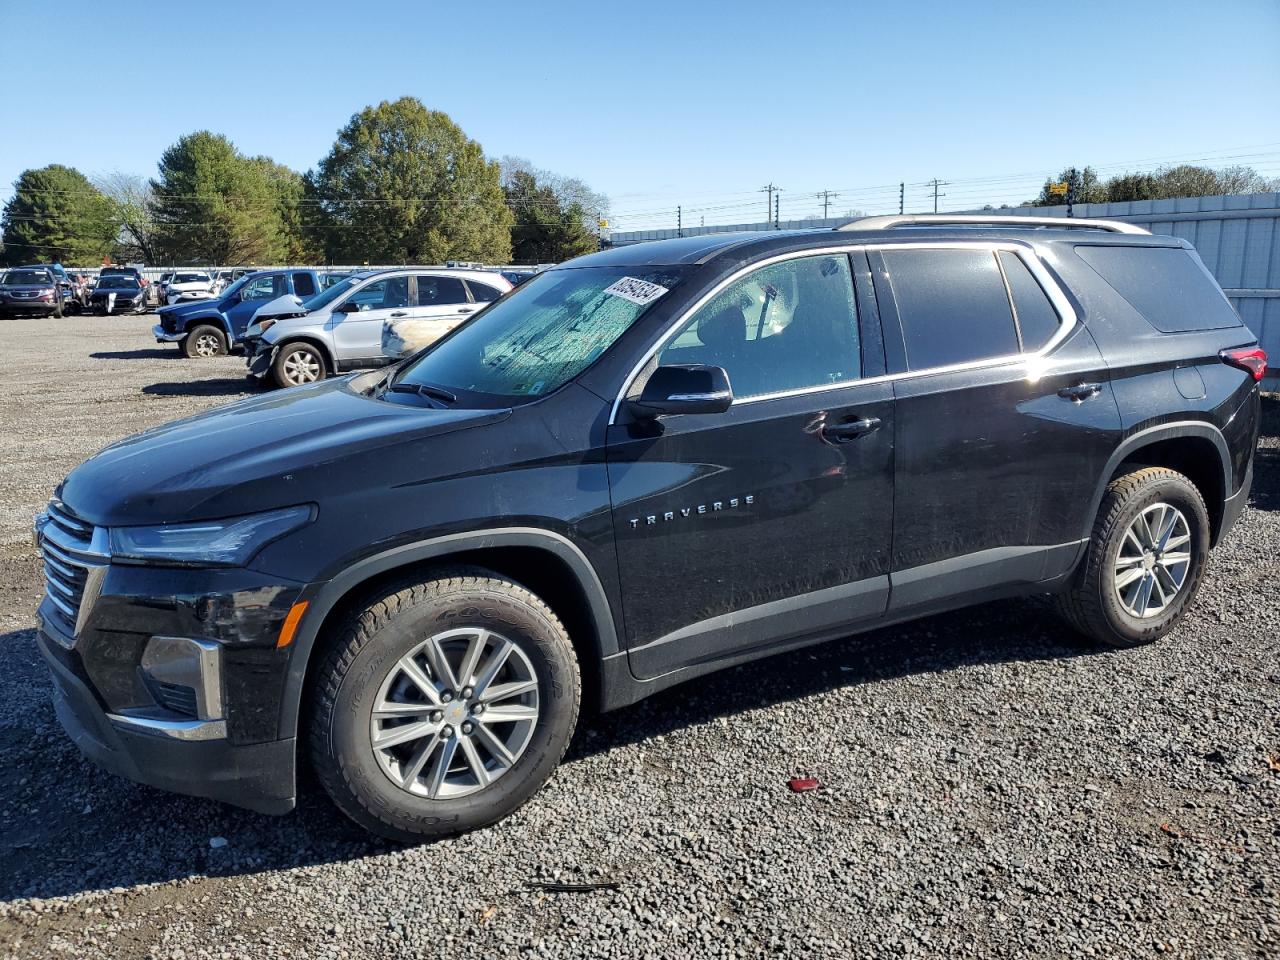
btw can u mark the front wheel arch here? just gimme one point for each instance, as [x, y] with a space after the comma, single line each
[591, 626]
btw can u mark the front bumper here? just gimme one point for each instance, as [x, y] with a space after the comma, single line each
[258, 357]
[163, 336]
[258, 776]
[134, 708]
[27, 306]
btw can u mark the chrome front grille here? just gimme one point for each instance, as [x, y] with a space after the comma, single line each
[75, 557]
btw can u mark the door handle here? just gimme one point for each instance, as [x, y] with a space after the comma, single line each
[1080, 392]
[400, 313]
[466, 309]
[850, 429]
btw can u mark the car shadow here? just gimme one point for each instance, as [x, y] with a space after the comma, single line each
[155, 353]
[71, 827]
[216, 387]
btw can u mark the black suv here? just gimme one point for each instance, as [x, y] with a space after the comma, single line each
[642, 466]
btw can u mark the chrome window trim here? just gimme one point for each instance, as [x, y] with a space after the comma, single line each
[1067, 319]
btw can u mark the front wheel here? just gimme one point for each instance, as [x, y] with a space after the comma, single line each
[1145, 560]
[204, 341]
[442, 705]
[296, 364]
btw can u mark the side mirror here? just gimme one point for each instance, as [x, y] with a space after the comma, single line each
[348, 306]
[686, 388]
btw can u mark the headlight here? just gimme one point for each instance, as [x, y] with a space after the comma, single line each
[232, 542]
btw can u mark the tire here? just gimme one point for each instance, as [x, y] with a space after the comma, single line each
[204, 341]
[298, 363]
[362, 667]
[1106, 601]
[57, 311]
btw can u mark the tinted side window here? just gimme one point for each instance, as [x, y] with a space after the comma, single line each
[439, 291]
[1037, 320]
[482, 292]
[266, 288]
[303, 285]
[383, 294]
[783, 327]
[1167, 285]
[952, 305]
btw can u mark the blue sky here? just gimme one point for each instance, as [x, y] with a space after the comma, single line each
[658, 103]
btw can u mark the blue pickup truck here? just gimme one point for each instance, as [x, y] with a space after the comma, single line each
[211, 328]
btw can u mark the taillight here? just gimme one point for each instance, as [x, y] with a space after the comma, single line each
[1252, 360]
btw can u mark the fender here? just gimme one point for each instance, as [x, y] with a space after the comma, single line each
[212, 316]
[329, 358]
[1164, 431]
[326, 595]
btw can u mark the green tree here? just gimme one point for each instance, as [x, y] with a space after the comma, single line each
[1132, 186]
[404, 184]
[214, 205]
[296, 241]
[1083, 186]
[57, 214]
[546, 230]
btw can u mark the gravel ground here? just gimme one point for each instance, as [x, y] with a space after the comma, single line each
[990, 785]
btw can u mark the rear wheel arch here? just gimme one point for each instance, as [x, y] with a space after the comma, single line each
[1197, 450]
[546, 563]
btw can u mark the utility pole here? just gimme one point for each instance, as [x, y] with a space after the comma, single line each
[776, 198]
[679, 221]
[770, 189]
[902, 196]
[826, 196]
[936, 183]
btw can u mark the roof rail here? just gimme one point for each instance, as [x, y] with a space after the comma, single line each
[922, 220]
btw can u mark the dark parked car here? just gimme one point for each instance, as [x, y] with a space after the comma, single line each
[118, 293]
[31, 291]
[639, 467]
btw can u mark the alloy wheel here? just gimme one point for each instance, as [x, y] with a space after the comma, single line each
[301, 366]
[454, 714]
[1153, 561]
[207, 345]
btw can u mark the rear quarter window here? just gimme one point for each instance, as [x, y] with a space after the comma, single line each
[1169, 286]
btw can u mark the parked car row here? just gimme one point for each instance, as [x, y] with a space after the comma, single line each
[300, 325]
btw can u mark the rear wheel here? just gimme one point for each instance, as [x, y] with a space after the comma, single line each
[443, 705]
[205, 341]
[296, 364]
[1145, 561]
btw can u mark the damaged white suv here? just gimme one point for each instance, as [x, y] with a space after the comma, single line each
[342, 328]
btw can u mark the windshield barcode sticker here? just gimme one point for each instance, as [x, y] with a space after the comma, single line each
[637, 291]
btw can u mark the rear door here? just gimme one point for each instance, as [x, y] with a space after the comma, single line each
[1005, 418]
[771, 521]
[440, 303]
[357, 336]
[304, 284]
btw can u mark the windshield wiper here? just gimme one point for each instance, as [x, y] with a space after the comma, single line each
[425, 390]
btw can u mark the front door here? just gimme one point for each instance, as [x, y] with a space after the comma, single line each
[1005, 420]
[357, 336]
[771, 521]
[253, 295]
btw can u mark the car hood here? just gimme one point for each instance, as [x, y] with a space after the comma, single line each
[257, 454]
[287, 326]
[184, 309]
[10, 287]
